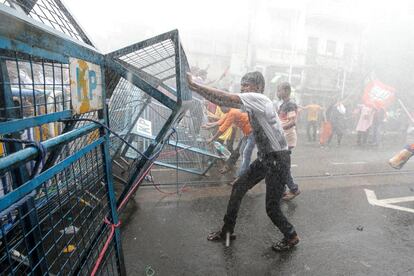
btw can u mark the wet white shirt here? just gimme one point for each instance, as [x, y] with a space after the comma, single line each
[266, 124]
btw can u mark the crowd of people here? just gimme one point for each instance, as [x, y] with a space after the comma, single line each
[362, 125]
[254, 120]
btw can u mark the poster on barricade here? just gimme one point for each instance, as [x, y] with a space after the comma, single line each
[85, 86]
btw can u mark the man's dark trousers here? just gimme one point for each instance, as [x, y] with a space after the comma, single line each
[275, 169]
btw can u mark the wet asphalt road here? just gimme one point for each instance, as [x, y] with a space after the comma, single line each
[341, 233]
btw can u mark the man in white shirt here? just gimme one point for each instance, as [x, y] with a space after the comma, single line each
[272, 164]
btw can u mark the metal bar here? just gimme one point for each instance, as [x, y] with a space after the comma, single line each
[210, 165]
[155, 62]
[14, 45]
[20, 176]
[54, 154]
[165, 70]
[73, 22]
[143, 162]
[120, 179]
[33, 87]
[177, 67]
[140, 168]
[167, 78]
[406, 110]
[33, 238]
[112, 203]
[183, 77]
[22, 124]
[148, 100]
[125, 150]
[159, 163]
[36, 182]
[140, 83]
[143, 44]
[48, 41]
[152, 80]
[110, 185]
[15, 159]
[26, 5]
[6, 96]
[111, 81]
[169, 89]
[183, 146]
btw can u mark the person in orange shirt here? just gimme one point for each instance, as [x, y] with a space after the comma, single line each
[241, 120]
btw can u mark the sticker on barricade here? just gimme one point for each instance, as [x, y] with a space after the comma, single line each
[85, 86]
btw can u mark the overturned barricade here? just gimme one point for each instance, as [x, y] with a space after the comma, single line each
[68, 114]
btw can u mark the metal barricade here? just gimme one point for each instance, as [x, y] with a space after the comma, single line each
[161, 64]
[57, 202]
[67, 114]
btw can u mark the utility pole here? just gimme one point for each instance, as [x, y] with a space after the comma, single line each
[296, 25]
[250, 27]
[343, 85]
[293, 44]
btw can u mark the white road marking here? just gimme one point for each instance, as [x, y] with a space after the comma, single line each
[293, 165]
[398, 199]
[349, 163]
[387, 203]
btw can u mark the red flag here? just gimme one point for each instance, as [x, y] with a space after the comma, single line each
[378, 95]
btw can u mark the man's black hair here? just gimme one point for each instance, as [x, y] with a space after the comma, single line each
[255, 78]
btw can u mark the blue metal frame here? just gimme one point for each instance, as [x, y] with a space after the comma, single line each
[46, 43]
[142, 80]
[110, 187]
[22, 191]
[38, 41]
[197, 172]
[49, 43]
[28, 154]
[126, 72]
[183, 146]
[20, 176]
[21, 124]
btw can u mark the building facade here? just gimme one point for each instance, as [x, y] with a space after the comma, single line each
[316, 45]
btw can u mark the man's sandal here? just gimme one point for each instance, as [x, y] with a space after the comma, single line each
[225, 169]
[219, 236]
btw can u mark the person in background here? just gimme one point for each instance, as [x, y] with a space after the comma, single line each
[377, 122]
[241, 120]
[287, 112]
[226, 137]
[196, 109]
[366, 117]
[272, 164]
[312, 120]
[335, 114]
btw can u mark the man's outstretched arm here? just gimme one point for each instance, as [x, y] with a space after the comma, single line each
[214, 95]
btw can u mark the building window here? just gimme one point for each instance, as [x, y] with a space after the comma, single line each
[348, 51]
[330, 48]
[312, 50]
[313, 45]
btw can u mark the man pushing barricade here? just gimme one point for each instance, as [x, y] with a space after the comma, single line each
[272, 163]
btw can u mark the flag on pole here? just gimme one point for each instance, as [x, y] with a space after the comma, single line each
[378, 94]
